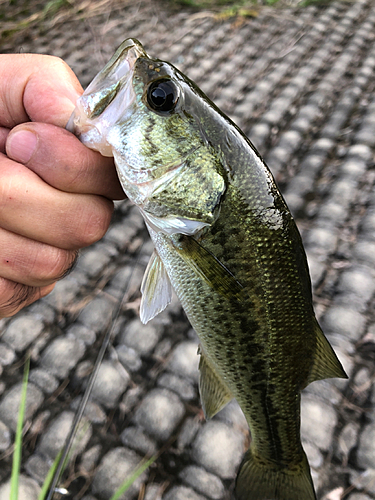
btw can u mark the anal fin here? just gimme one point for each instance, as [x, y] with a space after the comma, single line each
[326, 363]
[156, 289]
[214, 393]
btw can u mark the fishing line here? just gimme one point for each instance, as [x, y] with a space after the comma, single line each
[78, 416]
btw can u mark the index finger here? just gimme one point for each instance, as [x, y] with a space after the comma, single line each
[36, 87]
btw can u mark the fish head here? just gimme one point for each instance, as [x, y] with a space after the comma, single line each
[145, 113]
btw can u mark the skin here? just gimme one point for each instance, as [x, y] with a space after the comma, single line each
[54, 199]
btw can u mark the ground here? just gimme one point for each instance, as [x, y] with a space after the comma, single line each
[300, 83]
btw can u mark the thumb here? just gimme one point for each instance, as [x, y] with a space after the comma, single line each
[37, 88]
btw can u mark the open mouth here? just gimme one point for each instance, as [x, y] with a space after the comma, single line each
[107, 99]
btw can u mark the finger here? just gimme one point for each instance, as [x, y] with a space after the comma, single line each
[32, 263]
[15, 296]
[31, 208]
[3, 137]
[62, 161]
[37, 88]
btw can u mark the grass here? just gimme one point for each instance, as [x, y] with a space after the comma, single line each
[48, 480]
[45, 489]
[144, 465]
[17, 454]
[21, 15]
[241, 7]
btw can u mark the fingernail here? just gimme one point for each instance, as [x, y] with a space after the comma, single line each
[21, 145]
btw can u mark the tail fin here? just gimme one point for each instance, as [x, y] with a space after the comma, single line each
[260, 481]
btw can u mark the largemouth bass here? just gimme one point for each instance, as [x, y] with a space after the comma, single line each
[228, 245]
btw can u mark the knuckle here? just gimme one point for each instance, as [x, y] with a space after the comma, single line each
[15, 296]
[59, 65]
[8, 183]
[3, 137]
[55, 265]
[96, 223]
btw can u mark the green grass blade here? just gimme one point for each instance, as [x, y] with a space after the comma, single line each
[48, 479]
[17, 454]
[128, 482]
[56, 464]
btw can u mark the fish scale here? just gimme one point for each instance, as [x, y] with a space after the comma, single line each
[242, 325]
[227, 243]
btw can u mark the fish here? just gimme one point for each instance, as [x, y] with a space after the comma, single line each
[227, 244]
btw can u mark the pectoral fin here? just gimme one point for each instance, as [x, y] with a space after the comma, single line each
[326, 363]
[208, 267]
[214, 393]
[156, 289]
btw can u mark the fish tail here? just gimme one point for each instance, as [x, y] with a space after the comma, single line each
[259, 480]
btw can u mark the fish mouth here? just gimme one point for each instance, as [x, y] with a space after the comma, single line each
[109, 97]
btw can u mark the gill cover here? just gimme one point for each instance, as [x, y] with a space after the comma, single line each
[135, 110]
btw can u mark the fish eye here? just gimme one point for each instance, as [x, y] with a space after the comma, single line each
[162, 95]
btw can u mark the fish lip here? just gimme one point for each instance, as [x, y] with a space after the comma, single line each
[119, 67]
[88, 120]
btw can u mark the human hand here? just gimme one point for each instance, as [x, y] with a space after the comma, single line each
[54, 192]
